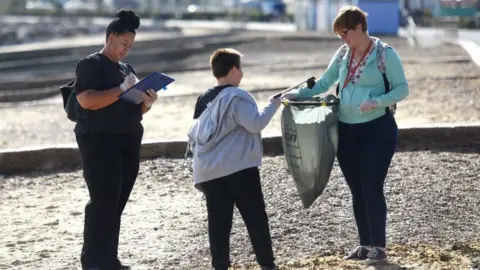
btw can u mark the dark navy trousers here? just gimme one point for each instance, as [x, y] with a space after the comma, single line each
[364, 154]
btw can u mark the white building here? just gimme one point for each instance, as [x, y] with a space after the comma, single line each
[318, 14]
[432, 5]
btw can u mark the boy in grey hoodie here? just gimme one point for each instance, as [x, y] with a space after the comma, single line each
[227, 150]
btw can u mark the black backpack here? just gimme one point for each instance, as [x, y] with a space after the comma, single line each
[206, 98]
[69, 96]
[70, 102]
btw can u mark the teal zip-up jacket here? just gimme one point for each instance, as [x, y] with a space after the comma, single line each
[369, 86]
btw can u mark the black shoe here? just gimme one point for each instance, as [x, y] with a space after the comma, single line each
[376, 255]
[359, 253]
[120, 266]
[475, 266]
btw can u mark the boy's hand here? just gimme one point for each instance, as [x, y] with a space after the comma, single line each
[275, 101]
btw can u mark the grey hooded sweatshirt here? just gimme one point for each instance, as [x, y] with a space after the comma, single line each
[226, 137]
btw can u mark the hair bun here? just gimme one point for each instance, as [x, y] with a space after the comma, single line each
[128, 18]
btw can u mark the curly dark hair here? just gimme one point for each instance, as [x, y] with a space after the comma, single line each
[126, 21]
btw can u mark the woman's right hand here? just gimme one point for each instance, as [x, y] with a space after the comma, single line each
[289, 96]
[129, 81]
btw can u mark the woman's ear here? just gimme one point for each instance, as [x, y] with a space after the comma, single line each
[110, 38]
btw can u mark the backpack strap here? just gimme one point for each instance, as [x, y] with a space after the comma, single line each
[381, 56]
[382, 66]
[341, 55]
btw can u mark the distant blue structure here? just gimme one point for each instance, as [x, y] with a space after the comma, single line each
[383, 16]
[312, 15]
[317, 15]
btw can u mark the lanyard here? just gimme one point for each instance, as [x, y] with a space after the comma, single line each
[351, 73]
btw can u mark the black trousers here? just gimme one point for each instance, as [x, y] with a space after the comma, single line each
[364, 154]
[110, 167]
[243, 189]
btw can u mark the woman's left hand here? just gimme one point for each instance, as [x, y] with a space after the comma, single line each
[368, 105]
[149, 97]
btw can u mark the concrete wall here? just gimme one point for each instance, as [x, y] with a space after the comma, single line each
[422, 138]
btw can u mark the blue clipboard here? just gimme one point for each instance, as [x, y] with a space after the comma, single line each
[155, 81]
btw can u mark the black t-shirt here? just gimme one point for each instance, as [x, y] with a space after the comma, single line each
[206, 98]
[98, 72]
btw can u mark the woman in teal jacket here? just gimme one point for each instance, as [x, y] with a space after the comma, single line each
[371, 81]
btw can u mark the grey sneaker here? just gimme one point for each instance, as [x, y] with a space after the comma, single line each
[359, 253]
[475, 266]
[376, 255]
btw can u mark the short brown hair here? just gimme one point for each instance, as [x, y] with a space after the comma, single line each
[223, 60]
[348, 17]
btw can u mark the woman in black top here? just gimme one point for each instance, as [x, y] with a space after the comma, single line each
[109, 134]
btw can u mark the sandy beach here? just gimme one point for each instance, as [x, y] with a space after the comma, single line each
[432, 196]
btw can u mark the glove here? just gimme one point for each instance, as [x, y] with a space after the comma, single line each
[368, 105]
[289, 96]
[149, 97]
[129, 81]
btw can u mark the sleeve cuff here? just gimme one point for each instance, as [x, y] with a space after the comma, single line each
[379, 102]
